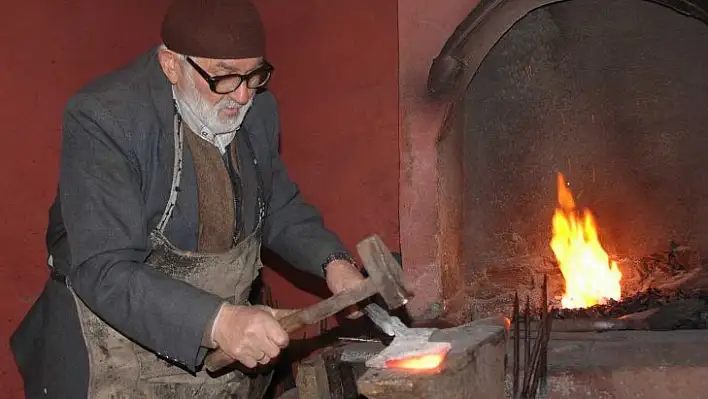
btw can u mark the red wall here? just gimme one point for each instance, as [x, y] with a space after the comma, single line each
[337, 85]
[336, 81]
[49, 50]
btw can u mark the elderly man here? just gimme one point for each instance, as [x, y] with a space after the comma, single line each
[170, 181]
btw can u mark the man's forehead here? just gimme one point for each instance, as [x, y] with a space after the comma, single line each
[235, 65]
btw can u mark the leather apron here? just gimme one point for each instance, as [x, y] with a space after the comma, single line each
[120, 368]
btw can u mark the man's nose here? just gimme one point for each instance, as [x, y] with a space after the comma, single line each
[242, 94]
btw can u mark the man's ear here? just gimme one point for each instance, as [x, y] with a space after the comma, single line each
[170, 63]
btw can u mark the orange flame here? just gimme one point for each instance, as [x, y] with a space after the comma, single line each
[590, 277]
[421, 362]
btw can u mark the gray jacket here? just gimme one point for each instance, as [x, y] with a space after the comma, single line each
[115, 175]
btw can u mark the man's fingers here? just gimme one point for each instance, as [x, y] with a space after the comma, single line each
[263, 351]
[249, 362]
[354, 313]
[264, 308]
[283, 313]
[279, 337]
[244, 355]
[255, 335]
[274, 332]
[276, 313]
[263, 358]
[271, 349]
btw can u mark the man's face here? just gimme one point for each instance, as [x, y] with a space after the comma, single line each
[221, 113]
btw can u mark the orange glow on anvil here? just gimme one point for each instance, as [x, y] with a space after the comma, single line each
[417, 362]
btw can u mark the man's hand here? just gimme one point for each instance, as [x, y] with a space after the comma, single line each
[250, 334]
[342, 275]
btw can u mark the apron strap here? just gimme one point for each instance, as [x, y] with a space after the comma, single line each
[261, 201]
[176, 174]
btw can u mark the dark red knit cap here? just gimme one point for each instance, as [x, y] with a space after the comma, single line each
[219, 29]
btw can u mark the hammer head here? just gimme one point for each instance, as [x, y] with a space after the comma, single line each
[384, 271]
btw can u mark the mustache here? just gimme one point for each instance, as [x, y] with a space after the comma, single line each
[228, 103]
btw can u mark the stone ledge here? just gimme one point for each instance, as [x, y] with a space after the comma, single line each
[626, 364]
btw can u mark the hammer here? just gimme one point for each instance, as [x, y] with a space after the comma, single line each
[384, 278]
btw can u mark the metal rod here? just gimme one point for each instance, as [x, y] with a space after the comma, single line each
[536, 363]
[527, 348]
[545, 316]
[354, 339]
[527, 337]
[517, 342]
[538, 374]
[533, 363]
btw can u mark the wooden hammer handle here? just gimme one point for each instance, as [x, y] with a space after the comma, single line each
[217, 359]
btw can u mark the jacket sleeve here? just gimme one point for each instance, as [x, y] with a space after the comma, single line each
[293, 228]
[105, 219]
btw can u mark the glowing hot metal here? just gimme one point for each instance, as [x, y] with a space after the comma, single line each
[418, 362]
[412, 351]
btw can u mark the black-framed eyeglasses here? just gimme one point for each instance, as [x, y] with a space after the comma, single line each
[225, 84]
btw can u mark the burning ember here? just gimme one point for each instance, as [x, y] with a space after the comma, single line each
[423, 362]
[590, 277]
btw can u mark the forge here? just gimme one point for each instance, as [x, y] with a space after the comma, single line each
[613, 96]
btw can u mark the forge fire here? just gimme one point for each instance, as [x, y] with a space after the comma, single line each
[591, 278]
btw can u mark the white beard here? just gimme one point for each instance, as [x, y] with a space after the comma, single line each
[202, 117]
